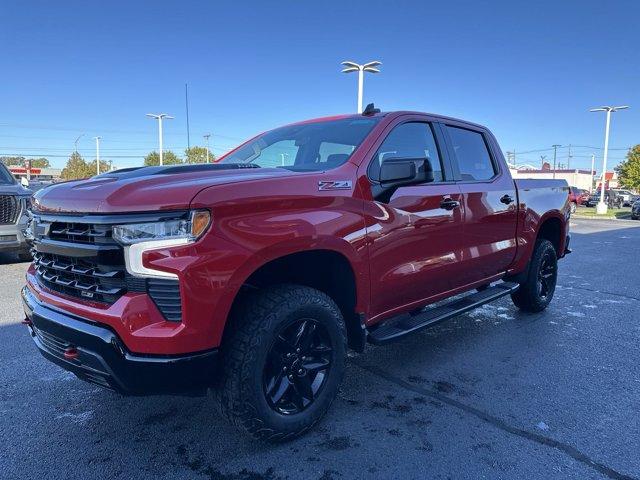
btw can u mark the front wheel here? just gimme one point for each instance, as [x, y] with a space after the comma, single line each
[536, 292]
[283, 361]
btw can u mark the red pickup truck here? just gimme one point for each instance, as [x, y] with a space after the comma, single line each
[252, 277]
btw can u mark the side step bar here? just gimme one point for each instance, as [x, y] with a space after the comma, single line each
[398, 327]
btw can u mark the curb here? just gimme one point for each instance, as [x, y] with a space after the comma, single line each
[614, 219]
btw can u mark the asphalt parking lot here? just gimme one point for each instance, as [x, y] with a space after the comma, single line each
[491, 394]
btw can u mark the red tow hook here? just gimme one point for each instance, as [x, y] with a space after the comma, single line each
[27, 322]
[71, 353]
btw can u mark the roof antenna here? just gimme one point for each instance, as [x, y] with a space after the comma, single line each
[370, 110]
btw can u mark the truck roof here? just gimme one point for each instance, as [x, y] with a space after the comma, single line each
[394, 113]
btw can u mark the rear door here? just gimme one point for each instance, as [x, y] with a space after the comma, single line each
[490, 202]
[414, 232]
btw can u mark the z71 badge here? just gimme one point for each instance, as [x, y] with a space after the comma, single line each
[334, 185]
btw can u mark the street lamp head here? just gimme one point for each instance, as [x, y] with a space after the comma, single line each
[608, 108]
[375, 63]
[350, 69]
[371, 70]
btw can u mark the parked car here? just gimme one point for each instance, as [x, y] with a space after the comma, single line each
[635, 210]
[626, 197]
[575, 197]
[15, 200]
[254, 275]
[610, 198]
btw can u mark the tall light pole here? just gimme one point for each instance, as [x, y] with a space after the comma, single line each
[97, 139]
[159, 117]
[75, 143]
[355, 67]
[593, 164]
[601, 208]
[206, 138]
[555, 154]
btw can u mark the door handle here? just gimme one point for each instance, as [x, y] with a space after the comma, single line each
[449, 204]
[506, 199]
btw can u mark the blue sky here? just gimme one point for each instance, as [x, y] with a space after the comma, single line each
[530, 71]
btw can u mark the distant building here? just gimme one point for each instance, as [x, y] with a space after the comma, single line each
[575, 178]
[610, 179]
[37, 174]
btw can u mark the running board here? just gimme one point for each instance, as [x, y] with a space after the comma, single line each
[398, 327]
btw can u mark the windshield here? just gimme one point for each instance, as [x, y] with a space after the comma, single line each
[305, 147]
[5, 176]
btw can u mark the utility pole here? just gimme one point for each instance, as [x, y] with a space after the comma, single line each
[555, 154]
[542, 159]
[159, 117]
[97, 139]
[206, 138]
[593, 163]
[601, 208]
[370, 67]
[569, 158]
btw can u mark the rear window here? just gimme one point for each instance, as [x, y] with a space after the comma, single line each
[474, 160]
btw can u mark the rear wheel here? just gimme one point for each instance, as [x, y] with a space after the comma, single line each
[283, 361]
[536, 292]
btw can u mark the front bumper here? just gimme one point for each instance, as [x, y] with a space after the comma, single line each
[12, 237]
[94, 353]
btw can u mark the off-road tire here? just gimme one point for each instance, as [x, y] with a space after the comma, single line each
[254, 324]
[528, 297]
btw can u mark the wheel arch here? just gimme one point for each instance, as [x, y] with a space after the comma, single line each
[328, 270]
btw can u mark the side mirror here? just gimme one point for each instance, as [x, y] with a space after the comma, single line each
[405, 171]
[24, 182]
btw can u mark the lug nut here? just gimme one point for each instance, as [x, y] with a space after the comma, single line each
[284, 369]
[297, 350]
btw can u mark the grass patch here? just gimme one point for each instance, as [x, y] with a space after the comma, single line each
[622, 213]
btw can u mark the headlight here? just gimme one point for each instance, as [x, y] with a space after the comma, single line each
[189, 229]
[138, 238]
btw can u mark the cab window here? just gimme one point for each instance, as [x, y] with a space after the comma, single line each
[409, 140]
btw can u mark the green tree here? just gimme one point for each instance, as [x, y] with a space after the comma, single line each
[198, 155]
[76, 168]
[22, 162]
[629, 170]
[13, 161]
[168, 158]
[104, 167]
[40, 163]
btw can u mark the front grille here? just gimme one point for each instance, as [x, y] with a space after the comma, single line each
[80, 259]
[81, 278]
[9, 209]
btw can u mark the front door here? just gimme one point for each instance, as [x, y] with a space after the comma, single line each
[415, 231]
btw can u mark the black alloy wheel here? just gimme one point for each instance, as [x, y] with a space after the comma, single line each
[297, 366]
[547, 274]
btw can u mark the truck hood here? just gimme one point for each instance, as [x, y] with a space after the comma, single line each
[145, 188]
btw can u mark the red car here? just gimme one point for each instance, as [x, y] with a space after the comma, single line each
[254, 275]
[577, 196]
